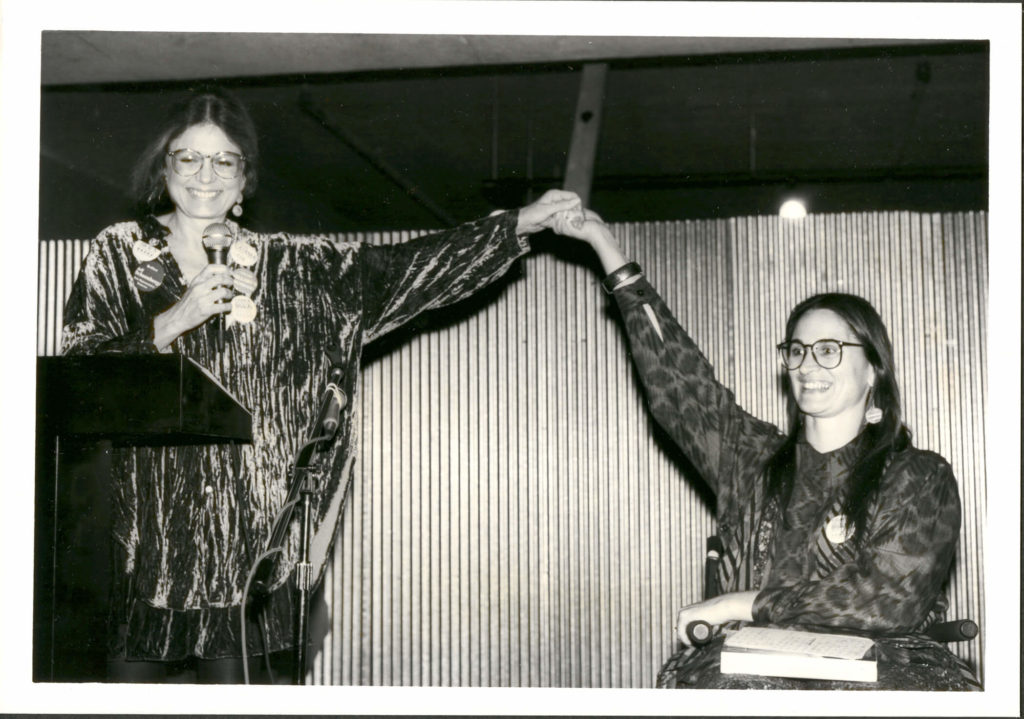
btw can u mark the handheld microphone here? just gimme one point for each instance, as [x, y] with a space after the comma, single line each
[217, 238]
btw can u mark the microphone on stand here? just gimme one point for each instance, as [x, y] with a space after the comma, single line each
[217, 238]
[334, 398]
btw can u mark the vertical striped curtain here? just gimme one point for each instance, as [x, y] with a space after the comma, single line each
[517, 520]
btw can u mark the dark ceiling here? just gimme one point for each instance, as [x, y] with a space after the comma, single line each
[370, 132]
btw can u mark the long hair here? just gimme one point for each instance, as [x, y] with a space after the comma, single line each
[884, 438]
[204, 105]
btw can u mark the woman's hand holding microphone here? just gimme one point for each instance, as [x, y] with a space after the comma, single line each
[208, 294]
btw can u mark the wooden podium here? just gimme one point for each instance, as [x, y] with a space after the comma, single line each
[85, 406]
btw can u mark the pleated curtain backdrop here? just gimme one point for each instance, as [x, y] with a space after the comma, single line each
[516, 520]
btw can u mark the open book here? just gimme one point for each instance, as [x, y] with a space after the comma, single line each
[794, 653]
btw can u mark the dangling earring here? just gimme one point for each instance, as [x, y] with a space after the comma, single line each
[236, 209]
[873, 414]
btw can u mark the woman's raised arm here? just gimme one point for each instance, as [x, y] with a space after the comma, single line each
[699, 413]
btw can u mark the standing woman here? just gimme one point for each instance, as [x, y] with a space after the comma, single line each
[189, 521]
[841, 524]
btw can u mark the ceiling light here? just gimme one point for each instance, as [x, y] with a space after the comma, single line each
[792, 210]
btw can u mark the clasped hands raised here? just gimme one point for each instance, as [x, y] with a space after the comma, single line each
[561, 211]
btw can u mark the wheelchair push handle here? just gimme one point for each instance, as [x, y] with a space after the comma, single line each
[699, 633]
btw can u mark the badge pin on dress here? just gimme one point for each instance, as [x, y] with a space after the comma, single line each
[242, 287]
[243, 310]
[149, 275]
[242, 253]
[144, 252]
[837, 531]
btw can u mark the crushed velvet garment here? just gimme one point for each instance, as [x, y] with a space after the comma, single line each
[188, 521]
[807, 571]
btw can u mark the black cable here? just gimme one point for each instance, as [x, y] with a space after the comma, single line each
[266, 651]
[242, 499]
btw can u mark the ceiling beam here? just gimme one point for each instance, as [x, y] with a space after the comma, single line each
[586, 130]
[506, 188]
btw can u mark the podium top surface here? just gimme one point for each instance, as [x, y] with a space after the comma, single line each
[137, 399]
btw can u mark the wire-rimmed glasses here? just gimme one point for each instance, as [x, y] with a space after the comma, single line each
[186, 162]
[828, 353]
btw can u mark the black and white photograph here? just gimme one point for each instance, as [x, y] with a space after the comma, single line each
[594, 349]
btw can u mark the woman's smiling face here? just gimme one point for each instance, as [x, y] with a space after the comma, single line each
[205, 195]
[824, 393]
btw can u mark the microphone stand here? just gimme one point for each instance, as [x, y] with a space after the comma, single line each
[303, 571]
[300, 492]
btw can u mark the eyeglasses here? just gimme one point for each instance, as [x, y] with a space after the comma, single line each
[827, 353]
[187, 162]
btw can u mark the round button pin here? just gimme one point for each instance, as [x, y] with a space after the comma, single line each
[242, 309]
[144, 252]
[242, 253]
[149, 275]
[836, 530]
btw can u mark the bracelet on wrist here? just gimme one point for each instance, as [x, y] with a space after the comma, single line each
[627, 272]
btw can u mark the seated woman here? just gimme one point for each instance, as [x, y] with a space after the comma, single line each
[839, 525]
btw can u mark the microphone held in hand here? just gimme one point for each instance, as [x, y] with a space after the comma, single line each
[217, 239]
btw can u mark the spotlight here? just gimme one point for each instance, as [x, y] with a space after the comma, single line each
[792, 210]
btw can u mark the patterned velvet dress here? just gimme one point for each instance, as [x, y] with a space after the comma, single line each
[808, 571]
[188, 521]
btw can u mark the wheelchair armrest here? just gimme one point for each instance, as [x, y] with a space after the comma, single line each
[958, 630]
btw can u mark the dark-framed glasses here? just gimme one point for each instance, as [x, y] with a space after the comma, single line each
[827, 353]
[187, 162]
